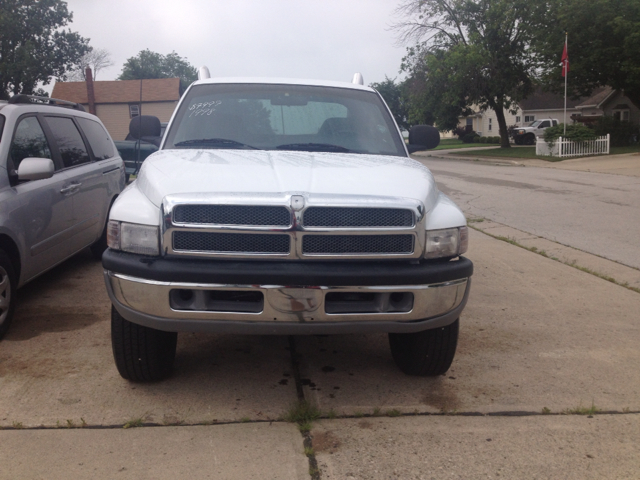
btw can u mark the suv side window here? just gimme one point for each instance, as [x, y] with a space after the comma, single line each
[544, 124]
[98, 138]
[70, 144]
[28, 141]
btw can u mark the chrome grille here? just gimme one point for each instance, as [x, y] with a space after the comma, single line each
[357, 244]
[232, 215]
[230, 242]
[357, 217]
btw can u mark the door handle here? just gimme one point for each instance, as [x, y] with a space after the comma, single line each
[71, 188]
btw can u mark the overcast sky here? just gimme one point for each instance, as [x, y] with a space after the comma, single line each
[319, 39]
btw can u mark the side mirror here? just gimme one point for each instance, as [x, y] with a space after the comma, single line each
[423, 137]
[35, 168]
[144, 126]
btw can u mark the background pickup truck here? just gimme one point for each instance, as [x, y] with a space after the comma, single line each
[527, 135]
[134, 151]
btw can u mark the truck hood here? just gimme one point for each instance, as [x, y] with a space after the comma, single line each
[246, 171]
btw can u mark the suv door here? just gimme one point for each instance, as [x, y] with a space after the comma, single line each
[42, 208]
[90, 195]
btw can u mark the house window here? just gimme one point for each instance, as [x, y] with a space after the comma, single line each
[134, 110]
[490, 124]
[529, 118]
[517, 118]
[621, 115]
[470, 121]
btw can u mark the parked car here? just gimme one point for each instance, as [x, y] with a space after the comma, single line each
[285, 207]
[59, 174]
[527, 135]
[135, 150]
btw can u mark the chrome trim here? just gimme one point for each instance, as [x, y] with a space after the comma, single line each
[296, 230]
[306, 303]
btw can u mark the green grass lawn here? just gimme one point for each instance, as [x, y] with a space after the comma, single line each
[530, 152]
[447, 143]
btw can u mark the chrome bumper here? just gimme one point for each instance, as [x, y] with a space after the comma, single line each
[149, 303]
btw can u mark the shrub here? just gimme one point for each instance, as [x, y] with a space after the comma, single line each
[497, 140]
[459, 132]
[576, 132]
[469, 137]
[622, 133]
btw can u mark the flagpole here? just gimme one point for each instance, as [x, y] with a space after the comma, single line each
[566, 74]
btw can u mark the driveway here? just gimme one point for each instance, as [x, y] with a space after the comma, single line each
[540, 343]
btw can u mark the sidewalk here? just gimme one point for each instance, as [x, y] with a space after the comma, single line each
[625, 164]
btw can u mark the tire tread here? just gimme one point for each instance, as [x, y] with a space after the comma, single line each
[426, 353]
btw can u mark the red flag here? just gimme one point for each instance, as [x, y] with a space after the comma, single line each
[565, 60]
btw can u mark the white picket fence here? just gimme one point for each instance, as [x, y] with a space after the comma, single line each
[568, 148]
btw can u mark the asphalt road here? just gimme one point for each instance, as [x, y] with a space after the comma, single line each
[594, 212]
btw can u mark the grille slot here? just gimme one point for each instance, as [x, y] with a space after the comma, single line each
[241, 301]
[230, 242]
[357, 244]
[232, 215]
[357, 217]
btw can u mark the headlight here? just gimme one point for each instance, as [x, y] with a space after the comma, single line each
[519, 132]
[449, 242]
[133, 238]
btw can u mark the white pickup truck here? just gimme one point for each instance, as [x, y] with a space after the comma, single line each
[284, 207]
[527, 135]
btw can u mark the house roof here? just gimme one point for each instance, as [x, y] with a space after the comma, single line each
[120, 91]
[540, 100]
[597, 98]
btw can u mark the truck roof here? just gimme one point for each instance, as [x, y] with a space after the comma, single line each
[283, 81]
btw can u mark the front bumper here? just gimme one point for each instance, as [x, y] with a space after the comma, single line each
[294, 298]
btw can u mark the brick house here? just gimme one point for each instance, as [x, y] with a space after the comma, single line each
[116, 102]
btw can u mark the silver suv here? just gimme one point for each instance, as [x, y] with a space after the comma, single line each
[59, 174]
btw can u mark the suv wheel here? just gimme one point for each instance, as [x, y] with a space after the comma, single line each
[530, 139]
[98, 248]
[426, 353]
[142, 354]
[8, 285]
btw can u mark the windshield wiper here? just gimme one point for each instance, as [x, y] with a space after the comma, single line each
[313, 147]
[218, 142]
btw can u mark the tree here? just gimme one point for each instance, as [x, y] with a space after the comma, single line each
[470, 53]
[148, 64]
[394, 96]
[34, 46]
[96, 59]
[603, 39]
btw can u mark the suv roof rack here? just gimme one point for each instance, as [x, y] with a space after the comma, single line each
[54, 102]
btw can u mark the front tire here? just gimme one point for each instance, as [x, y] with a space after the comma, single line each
[425, 353]
[530, 139]
[142, 354]
[8, 287]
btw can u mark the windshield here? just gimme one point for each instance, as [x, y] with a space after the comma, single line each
[535, 124]
[284, 117]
